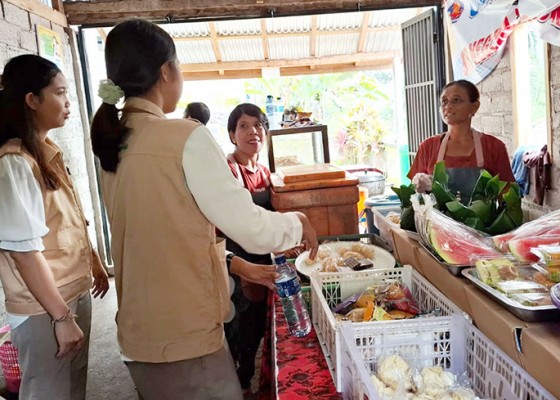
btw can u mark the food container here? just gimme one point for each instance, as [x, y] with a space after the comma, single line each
[555, 295]
[525, 313]
[370, 178]
[449, 342]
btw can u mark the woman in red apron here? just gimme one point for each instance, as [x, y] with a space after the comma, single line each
[464, 149]
[248, 127]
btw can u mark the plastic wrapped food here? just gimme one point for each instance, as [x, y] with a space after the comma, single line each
[456, 243]
[520, 286]
[547, 224]
[496, 270]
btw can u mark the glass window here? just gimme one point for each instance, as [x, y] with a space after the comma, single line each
[531, 88]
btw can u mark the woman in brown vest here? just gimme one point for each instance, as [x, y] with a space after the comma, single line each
[46, 259]
[167, 186]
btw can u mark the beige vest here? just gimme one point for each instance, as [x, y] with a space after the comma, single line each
[67, 247]
[170, 274]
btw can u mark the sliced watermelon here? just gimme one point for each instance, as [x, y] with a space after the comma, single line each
[521, 248]
[457, 244]
[548, 224]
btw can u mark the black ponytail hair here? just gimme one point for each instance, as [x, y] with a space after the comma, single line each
[25, 74]
[135, 50]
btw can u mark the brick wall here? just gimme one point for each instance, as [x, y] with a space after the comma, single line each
[496, 117]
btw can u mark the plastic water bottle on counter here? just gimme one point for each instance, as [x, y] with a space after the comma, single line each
[289, 290]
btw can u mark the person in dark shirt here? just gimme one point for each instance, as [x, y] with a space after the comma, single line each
[198, 111]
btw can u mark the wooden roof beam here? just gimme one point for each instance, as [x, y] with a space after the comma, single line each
[315, 62]
[313, 37]
[264, 35]
[364, 31]
[106, 12]
[214, 40]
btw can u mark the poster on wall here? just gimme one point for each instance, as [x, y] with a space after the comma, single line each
[478, 30]
[50, 45]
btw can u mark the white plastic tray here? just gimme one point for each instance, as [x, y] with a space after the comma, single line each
[328, 290]
[452, 342]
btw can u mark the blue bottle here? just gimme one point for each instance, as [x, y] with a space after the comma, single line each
[289, 290]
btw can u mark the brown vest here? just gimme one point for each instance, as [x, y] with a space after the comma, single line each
[67, 247]
[170, 274]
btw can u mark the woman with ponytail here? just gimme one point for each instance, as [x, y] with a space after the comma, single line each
[46, 259]
[167, 186]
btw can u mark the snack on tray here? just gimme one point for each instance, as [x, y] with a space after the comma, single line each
[520, 286]
[532, 299]
[492, 271]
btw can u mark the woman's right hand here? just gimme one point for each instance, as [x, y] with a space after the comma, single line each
[308, 237]
[69, 337]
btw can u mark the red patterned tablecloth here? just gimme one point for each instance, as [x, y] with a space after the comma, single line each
[293, 368]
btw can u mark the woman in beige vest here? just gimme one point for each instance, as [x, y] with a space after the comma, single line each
[167, 186]
[46, 259]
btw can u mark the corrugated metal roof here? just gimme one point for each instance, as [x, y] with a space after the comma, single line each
[289, 24]
[291, 38]
[337, 44]
[195, 51]
[237, 27]
[185, 30]
[241, 49]
[293, 47]
[334, 22]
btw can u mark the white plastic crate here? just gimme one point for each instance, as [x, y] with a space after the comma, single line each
[449, 342]
[383, 224]
[329, 289]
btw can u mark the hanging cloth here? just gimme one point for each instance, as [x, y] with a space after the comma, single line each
[539, 163]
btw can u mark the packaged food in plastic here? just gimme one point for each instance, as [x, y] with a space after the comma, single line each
[547, 224]
[492, 271]
[454, 242]
[520, 286]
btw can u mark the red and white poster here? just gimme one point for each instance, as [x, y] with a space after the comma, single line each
[478, 30]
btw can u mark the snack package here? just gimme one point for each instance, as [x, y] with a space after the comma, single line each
[492, 271]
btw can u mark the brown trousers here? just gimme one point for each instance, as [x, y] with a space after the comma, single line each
[211, 377]
[44, 375]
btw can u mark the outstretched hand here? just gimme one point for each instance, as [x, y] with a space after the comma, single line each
[264, 275]
[308, 237]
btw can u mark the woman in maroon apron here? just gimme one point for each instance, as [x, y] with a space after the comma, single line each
[248, 127]
[464, 150]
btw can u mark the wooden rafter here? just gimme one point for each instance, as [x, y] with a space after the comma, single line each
[313, 37]
[264, 35]
[102, 34]
[214, 39]
[289, 71]
[99, 12]
[315, 62]
[364, 31]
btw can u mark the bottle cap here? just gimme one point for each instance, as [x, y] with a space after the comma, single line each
[281, 259]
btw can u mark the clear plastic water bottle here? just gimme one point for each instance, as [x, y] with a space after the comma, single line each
[270, 108]
[279, 111]
[289, 290]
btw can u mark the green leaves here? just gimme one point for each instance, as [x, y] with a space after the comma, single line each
[491, 209]
[407, 212]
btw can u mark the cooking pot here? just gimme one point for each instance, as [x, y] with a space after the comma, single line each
[372, 179]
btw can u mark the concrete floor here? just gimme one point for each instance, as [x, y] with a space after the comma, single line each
[108, 377]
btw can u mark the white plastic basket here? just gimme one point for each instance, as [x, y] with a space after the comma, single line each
[450, 342]
[329, 289]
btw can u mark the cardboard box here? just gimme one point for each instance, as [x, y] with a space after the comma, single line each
[501, 326]
[540, 344]
[404, 249]
[453, 287]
